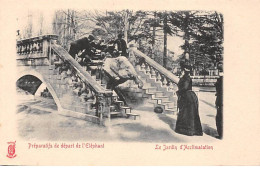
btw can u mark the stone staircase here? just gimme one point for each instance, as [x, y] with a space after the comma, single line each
[72, 88]
[153, 92]
[117, 107]
[157, 93]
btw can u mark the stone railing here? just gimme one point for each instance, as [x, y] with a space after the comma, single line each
[157, 71]
[34, 51]
[82, 79]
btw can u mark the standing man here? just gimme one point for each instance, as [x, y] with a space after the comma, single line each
[219, 101]
[121, 45]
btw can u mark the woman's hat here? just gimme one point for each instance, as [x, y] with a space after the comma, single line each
[185, 66]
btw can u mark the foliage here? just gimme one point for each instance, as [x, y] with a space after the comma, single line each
[202, 31]
[203, 35]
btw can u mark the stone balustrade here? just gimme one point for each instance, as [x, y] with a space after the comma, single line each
[34, 51]
[84, 85]
[162, 75]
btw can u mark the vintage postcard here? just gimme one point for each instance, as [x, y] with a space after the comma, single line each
[147, 83]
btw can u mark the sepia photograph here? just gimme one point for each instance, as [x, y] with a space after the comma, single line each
[132, 76]
[129, 83]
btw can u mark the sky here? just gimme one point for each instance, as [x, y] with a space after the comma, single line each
[24, 17]
[174, 44]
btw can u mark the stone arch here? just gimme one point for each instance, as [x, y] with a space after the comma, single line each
[43, 80]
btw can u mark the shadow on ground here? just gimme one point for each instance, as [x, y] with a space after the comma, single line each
[146, 134]
[172, 123]
[168, 120]
[209, 104]
[209, 130]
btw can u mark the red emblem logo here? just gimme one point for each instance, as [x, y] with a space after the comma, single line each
[11, 150]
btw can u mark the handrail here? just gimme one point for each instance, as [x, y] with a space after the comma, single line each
[86, 77]
[155, 65]
[37, 38]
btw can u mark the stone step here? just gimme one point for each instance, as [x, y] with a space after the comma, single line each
[115, 113]
[132, 115]
[164, 103]
[147, 77]
[167, 105]
[159, 93]
[150, 93]
[162, 98]
[151, 89]
[170, 105]
[126, 109]
[147, 85]
[119, 102]
[170, 111]
[153, 102]
[154, 83]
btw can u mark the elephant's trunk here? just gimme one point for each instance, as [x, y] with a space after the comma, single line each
[138, 81]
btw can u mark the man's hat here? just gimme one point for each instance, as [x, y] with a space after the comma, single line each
[91, 37]
[220, 66]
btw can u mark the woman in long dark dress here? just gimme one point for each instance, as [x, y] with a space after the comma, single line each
[188, 120]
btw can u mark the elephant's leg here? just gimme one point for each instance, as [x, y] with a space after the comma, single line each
[138, 82]
[120, 95]
[112, 85]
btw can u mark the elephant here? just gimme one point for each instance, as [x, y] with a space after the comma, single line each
[117, 71]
